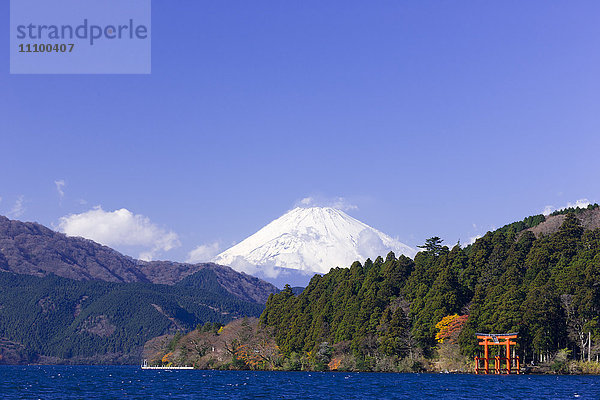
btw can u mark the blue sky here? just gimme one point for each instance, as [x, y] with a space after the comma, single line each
[433, 118]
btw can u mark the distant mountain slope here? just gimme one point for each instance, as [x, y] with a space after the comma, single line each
[32, 249]
[312, 239]
[57, 320]
[244, 286]
[589, 219]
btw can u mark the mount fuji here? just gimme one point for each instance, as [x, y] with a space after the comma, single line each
[309, 240]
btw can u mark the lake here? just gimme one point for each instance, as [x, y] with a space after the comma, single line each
[112, 382]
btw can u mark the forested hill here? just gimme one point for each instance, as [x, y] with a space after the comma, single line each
[588, 217]
[32, 249]
[380, 313]
[57, 320]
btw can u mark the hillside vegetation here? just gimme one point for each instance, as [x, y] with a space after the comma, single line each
[53, 319]
[241, 344]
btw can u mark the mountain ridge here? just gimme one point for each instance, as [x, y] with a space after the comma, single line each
[33, 249]
[588, 217]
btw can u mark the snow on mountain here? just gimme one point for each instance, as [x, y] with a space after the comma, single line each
[312, 239]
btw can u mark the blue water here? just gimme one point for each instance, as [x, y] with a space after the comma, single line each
[82, 382]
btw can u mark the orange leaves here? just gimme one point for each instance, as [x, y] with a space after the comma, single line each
[258, 356]
[244, 354]
[449, 327]
[334, 364]
[166, 357]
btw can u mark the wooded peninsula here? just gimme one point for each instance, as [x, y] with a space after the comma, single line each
[539, 277]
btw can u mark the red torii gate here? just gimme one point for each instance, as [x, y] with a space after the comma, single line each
[502, 339]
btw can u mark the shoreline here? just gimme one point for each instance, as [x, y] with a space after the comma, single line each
[188, 368]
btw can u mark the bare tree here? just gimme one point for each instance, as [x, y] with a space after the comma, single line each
[576, 324]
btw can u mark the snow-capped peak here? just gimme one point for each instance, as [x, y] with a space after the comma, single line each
[311, 239]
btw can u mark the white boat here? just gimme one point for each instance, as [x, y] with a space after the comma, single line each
[146, 366]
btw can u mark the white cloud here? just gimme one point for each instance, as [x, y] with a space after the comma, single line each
[472, 239]
[60, 185]
[203, 253]
[581, 203]
[268, 269]
[548, 210]
[369, 244]
[339, 203]
[120, 228]
[19, 208]
[240, 264]
[307, 201]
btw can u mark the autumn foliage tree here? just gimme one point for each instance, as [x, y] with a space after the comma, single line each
[450, 327]
[450, 356]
